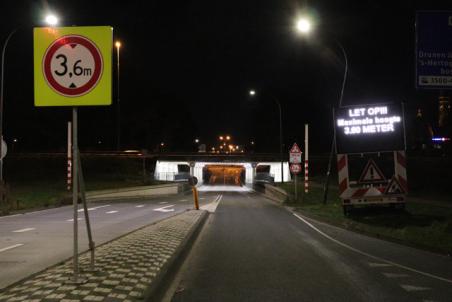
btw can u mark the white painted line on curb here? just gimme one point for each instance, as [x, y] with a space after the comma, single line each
[369, 255]
[111, 212]
[139, 206]
[212, 207]
[10, 247]
[391, 275]
[24, 230]
[373, 264]
[411, 288]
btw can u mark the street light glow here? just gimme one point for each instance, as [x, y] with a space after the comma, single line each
[304, 25]
[51, 20]
[118, 44]
[252, 92]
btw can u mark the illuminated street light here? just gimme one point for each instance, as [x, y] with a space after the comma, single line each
[228, 137]
[196, 140]
[162, 144]
[252, 92]
[221, 138]
[304, 25]
[50, 20]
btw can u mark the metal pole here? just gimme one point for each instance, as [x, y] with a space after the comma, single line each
[306, 158]
[280, 139]
[118, 108]
[75, 186]
[69, 156]
[325, 189]
[82, 191]
[2, 80]
[296, 189]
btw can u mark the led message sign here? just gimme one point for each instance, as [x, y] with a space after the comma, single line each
[369, 128]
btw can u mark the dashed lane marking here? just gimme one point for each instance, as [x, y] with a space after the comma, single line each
[183, 200]
[371, 256]
[163, 202]
[24, 230]
[95, 208]
[10, 247]
[139, 206]
[412, 288]
[165, 209]
[111, 212]
[72, 219]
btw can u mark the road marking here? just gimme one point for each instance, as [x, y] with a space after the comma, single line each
[10, 247]
[372, 264]
[164, 209]
[202, 198]
[369, 255]
[163, 202]
[183, 200]
[72, 219]
[391, 275]
[111, 212]
[95, 208]
[412, 288]
[212, 207]
[24, 230]
[139, 206]
[7, 216]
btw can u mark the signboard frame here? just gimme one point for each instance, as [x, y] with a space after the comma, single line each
[375, 150]
[437, 47]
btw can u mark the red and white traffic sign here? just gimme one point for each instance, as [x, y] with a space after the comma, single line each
[72, 65]
[371, 173]
[295, 154]
[295, 168]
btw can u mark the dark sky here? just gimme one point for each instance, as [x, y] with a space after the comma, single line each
[186, 69]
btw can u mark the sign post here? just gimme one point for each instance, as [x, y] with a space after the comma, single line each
[73, 67]
[295, 165]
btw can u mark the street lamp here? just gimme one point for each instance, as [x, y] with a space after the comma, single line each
[50, 20]
[253, 93]
[304, 26]
[118, 105]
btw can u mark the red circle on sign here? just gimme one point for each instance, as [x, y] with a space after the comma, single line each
[295, 168]
[67, 40]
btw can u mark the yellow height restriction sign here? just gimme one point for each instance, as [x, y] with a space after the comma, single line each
[72, 65]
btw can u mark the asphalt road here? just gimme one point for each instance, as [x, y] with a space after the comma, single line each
[34, 241]
[251, 249]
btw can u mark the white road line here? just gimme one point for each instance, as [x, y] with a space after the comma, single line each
[95, 208]
[139, 206]
[163, 202]
[373, 264]
[202, 198]
[72, 219]
[8, 216]
[391, 275]
[183, 200]
[371, 256]
[10, 247]
[164, 209]
[24, 230]
[111, 212]
[212, 207]
[412, 288]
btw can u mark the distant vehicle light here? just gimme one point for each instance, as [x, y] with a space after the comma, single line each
[440, 139]
[131, 151]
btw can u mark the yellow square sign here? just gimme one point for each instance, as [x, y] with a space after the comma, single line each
[73, 65]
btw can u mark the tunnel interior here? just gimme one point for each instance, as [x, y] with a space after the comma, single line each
[233, 175]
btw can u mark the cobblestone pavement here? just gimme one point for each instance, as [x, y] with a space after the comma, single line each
[127, 267]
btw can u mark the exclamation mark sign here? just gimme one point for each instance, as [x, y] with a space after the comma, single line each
[371, 173]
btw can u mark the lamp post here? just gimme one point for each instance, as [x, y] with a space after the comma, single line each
[50, 20]
[281, 157]
[304, 26]
[118, 105]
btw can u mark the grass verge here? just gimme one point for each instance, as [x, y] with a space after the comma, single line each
[425, 224]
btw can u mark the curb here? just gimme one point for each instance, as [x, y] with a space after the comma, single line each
[159, 285]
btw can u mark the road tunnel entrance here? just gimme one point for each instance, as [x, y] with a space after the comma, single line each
[233, 175]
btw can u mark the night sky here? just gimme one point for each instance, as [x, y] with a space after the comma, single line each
[186, 68]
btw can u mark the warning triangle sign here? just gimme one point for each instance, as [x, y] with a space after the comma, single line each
[371, 173]
[394, 187]
[295, 149]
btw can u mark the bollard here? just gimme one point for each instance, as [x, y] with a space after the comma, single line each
[195, 197]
